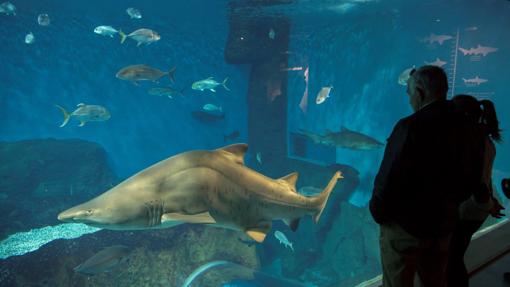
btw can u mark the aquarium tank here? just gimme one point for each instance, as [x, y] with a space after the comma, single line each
[172, 107]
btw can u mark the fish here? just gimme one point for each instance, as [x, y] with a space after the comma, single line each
[471, 29]
[345, 138]
[43, 19]
[8, 8]
[283, 239]
[136, 73]
[167, 92]
[212, 108]
[209, 84]
[250, 243]
[105, 31]
[85, 113]
[134, 13]
[479, 50]
[433, 38]
[271, 34]
[105, 260]
[323, 94]
[29, 38]
[207, 117]
[437, 63]
[404, 76]
[475, 81]
[258, 156]
[211, 187]
[303, 104]
[232, 136]
[141, 36]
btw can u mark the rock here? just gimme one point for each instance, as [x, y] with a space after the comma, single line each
[40, 178]
[159, 258]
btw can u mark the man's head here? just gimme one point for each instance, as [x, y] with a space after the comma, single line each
[425, 85]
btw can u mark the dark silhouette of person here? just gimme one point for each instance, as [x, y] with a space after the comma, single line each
[474, 211]
[430, 166]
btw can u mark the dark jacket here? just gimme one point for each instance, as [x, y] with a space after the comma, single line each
[432, 162]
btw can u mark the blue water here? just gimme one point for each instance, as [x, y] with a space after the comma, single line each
[358, 47]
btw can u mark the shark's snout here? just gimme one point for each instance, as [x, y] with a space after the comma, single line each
[76, 215]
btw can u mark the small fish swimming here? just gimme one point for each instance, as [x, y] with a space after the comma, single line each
[404, 76]
[232, 136]
[43, 20]
[104, 261]
[271, 34]
[105, 31]
[209, 84]
[86, 113]
[212, 108]
[8, 8]
[136, 73]
[141, 36]
[323, 94]
[471, 29]
[134, 13]
[283, 239]
[166, 92]
[29, 38]
[259, 157]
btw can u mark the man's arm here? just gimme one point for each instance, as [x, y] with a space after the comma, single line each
[390, 170]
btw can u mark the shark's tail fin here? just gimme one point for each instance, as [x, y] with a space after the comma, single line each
[67, 116]
[322, 198]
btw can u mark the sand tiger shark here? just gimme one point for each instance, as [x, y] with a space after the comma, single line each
[203, 186]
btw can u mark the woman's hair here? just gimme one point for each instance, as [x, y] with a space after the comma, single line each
[480, 112]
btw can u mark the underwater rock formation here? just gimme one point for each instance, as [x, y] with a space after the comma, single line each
[39, 178]
[158, 258]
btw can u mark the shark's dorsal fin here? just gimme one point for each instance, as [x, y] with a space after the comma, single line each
[237, 150]
[80, 105]
[291, 179]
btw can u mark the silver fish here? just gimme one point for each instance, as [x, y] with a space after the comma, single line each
[134, 13]
[404, 76]
[323, 94]
[209, 84]
[105, 31]
[283, 239]
[8, 8]
[135, 73]
[212, 108]
[104, 261]
[29, 38]
[86, 113]
[141, 36]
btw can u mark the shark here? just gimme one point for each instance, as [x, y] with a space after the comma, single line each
[211, 187]
[433, 38]
[437, 62]
[345, 138]
[475, 81]
[479, 50]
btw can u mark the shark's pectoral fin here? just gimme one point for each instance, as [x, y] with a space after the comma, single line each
[256, 235]
[259, 233]
[293, 224]
[203, 218]
[82, 123]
